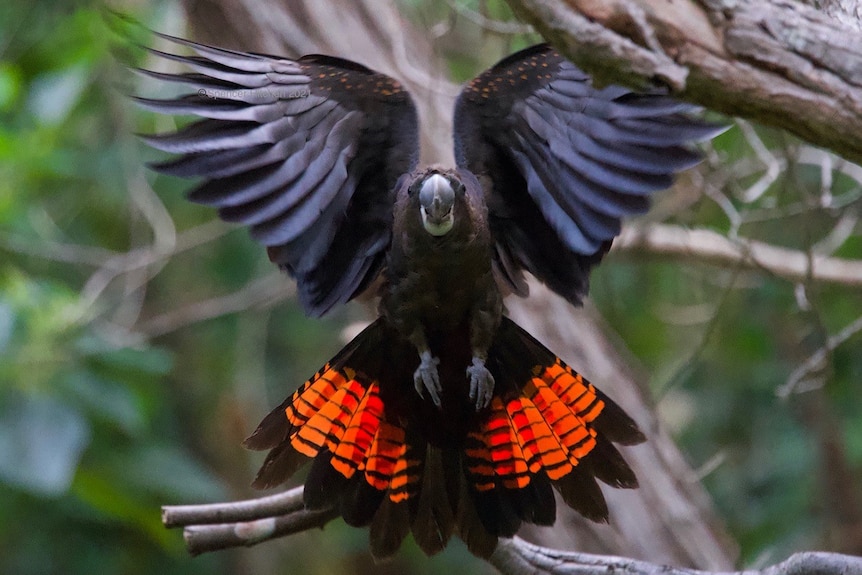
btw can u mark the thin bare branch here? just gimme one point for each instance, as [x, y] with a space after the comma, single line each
[691, 360]
[137, 258]
[205, 538]
[216, 526]
[710, 247]
[56, 251]
[818, 360]
[264, 291]
[236, 511]
[773, 168]
[489, 24]
[840, 233]
[723, 202]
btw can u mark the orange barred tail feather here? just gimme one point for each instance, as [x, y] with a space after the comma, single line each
[388, 459]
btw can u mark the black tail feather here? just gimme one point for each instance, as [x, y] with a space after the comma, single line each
[389, 527]
[608, 465]
[324, 486]
[581, 492]
[471, 528]
[359, 502]
[616, 425]
[434, 520]
[280, 464]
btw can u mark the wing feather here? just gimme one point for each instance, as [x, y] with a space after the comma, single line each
[584, 158]
[306, 153]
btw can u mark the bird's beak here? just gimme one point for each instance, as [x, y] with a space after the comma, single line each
[437, 199]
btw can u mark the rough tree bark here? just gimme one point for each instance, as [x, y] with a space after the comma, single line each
[778, 62]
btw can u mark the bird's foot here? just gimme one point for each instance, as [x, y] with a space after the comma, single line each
[426, 377]
[481, 383]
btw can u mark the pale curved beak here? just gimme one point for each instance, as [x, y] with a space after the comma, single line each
[437, 199]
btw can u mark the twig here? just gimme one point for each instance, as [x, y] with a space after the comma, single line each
[205, 538]
[248, 510]
[690, 362]
[57, 251]
[723, 202]
[217, 526]
[105, 258]
[489, 24]
[142, 257]
[840, 233]
[711, 247]
[818, 359]
[770, 162]
[269, 289]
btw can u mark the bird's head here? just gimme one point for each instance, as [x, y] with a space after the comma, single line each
[437, 202]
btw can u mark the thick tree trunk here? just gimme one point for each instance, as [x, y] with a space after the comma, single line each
[669, 519]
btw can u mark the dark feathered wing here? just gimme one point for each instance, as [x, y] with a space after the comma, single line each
[305, 152]
[564, 162]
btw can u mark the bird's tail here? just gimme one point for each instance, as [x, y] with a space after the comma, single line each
[386, 459]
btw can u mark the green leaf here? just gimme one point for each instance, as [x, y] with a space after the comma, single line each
[112, 401]
[10, 85]
[149, 361]
[41, 442]
[167, 471]
[54, 94]
[116, 501]
[7, 320]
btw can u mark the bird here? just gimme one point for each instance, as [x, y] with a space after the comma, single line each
[443, 416]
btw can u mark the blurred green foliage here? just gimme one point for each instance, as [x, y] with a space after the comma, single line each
[101, 424]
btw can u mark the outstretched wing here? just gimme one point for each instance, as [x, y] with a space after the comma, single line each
[305, 152]
[562, 162]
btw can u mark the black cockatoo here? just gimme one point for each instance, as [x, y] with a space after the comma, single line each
[442, 416]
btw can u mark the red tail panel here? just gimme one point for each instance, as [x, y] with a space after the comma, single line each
[546, 425]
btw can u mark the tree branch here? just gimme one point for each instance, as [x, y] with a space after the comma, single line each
[289, 501]
[264, 291]
[781, 63]
[818, 360]
[219, 526]
[489, 24]
[713, 248]
[518, 557]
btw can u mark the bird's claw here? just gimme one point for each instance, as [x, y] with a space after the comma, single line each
[426, 377]
[481, 383]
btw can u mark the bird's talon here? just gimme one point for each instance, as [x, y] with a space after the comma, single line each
[426, 377]
[481, 383]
